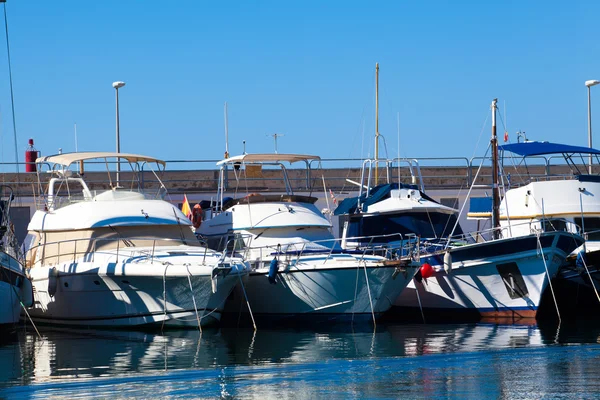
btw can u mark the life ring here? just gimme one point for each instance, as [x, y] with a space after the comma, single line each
[197, 216]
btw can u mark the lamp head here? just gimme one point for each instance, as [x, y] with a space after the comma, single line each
[120, 84]
[591, 83]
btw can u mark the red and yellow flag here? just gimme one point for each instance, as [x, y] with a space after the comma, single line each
[185, 208]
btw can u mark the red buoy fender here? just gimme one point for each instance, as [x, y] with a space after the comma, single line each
[427, 271]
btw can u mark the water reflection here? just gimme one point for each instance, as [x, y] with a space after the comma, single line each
[76, 354]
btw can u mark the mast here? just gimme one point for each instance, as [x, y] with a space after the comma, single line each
[12, 97]
[495, 188]
[376, 121]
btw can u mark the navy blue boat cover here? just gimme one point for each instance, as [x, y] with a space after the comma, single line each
[378, 193]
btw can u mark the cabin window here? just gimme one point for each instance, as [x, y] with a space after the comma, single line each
[513, 280]
[591, 226]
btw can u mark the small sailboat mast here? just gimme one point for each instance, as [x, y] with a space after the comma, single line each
[376, 121]
[495, 186]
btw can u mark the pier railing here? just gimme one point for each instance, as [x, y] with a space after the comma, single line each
[202, 176]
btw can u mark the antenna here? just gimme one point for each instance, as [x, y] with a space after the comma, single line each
[244, 144]
[226, 134]
[398, 124]
[275, 136]
[75, 137]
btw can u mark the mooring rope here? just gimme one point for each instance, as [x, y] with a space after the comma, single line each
[420, 305]
[247, 301]
[590, 276]
[548, 274]
[369, 291]
[193, 297]
[164, 297]
[355, 292]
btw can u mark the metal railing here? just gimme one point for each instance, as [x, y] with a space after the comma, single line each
[124, 247]
[535, 226]
[404, 247]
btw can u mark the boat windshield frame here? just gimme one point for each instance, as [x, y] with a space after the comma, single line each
[70, 168]
[239, 163]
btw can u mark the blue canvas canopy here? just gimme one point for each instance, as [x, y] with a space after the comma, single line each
[528, 149]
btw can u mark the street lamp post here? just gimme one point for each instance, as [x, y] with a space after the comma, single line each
[118, 85]
[589, 85]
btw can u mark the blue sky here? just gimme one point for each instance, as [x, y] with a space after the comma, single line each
[304, 69]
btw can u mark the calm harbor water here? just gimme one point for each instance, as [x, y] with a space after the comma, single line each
[395, 361]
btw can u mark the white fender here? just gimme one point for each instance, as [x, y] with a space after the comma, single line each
[448, 262]
[52, 281]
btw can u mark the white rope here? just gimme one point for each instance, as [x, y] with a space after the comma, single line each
[193, 297]
[548, 274]
[369, 291]
[23, 306]
[468, 196]
[355, 291]
[164, 298]
[420, 305]
[247, 301]
[590, 276]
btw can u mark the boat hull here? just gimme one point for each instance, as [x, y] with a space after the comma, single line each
[576, 287]
[337, 289]
[130, 294]
[10, 311]
[498, 279]
[11, 282]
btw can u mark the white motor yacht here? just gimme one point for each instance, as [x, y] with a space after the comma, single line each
[119, 256]
[298, 268]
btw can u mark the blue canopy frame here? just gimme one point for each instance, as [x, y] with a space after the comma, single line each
[530, 148]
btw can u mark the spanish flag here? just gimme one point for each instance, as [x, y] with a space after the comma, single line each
[185, 208]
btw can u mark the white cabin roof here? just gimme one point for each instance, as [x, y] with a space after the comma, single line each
[67, 159]
[268, 157]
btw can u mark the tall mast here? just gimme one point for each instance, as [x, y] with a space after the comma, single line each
[495, 188]
[376, 120]
[12, 97]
